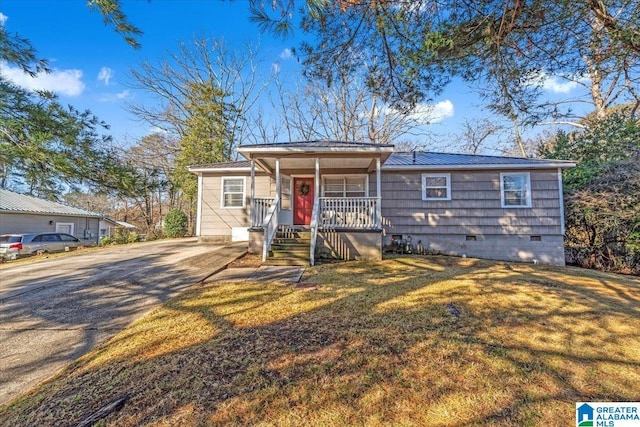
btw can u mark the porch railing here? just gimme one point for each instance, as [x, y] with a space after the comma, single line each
[270, 226]
[259, 210]
[350, 212]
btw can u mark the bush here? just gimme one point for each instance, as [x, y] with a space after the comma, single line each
[175, 223]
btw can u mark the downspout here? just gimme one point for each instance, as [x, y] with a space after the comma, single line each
[199, 206]
[561, 201]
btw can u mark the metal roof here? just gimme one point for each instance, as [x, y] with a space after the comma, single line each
[11, 202]
[416, 160]
[317, 144]
[422, 160]
[223, 165]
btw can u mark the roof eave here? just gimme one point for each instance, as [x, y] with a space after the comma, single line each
[550, 165]
[87, 215]
[200, 170]
[248, 150]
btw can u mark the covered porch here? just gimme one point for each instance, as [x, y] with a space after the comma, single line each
[328, 189]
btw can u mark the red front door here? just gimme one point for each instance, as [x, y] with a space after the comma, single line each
[302, 200]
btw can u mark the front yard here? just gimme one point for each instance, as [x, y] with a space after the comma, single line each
[435, 341]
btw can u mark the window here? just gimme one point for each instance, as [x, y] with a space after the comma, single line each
[233, 192]
[67, 238]
[515, 190]
[436, 186]
[347, 186]
[285, 192]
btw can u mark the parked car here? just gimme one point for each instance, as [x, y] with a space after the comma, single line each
[13, 246]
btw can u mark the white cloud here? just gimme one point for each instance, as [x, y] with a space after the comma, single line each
[427, 113]
[556, 84]
[64, 82]
[105, 75]
[113, 97]
[3, 19]
[286, 54]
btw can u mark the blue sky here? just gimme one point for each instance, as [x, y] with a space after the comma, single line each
[91, 62]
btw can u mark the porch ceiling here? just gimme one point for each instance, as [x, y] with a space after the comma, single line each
[302, 155]
[309, 163]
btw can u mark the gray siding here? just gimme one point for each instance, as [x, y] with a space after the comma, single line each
[25, 222]
[475, 211]
[217, 221]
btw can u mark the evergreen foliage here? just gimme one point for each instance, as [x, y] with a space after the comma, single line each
[175, 223]
[602, 200]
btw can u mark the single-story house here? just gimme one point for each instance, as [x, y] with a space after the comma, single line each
[356, 200]
[107, 227]
[20, 213]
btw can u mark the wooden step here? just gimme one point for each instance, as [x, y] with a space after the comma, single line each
[290, 253]
[290, 243]
[287, 262]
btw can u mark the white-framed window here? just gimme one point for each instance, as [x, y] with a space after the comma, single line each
[436, 186]
[285, 192]
[345, 186]
[233, 192]
[515, 189]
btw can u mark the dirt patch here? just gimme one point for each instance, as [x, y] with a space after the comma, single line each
[249, 260]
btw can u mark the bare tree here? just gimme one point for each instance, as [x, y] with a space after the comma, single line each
[201, 62]
[344, 110]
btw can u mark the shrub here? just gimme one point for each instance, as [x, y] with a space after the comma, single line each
[175, 223]
[106, 240]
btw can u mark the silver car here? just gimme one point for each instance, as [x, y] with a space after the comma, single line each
[13, 246]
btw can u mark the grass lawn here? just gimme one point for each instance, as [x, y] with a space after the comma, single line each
[423, 341]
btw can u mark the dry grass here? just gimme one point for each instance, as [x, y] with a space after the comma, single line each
[373, 344]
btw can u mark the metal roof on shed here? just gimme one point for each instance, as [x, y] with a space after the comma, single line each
[14, 202]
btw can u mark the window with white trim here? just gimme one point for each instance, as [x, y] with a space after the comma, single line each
[233, 192]
[285, 192]
[515, 189]
[345, 186]
[436, 186]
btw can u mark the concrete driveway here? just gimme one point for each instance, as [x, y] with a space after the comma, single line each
[54, 311]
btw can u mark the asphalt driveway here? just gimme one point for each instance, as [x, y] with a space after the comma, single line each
[54, 311]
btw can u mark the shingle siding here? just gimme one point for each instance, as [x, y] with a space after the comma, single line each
[475, 210]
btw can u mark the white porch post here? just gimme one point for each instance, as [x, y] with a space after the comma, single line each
[317, 180]
[378, 195]
[254, 219]
[278, 179]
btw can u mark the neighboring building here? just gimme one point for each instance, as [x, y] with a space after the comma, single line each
[107, 227]
[358, 199]
[23, 214]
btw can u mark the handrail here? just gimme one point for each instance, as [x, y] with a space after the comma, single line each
[270, 226]
[350, 212]
[315, 215]
[259, 209]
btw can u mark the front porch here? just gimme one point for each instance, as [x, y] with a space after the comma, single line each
[330, 191]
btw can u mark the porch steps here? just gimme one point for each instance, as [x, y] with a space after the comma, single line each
[290, 247]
